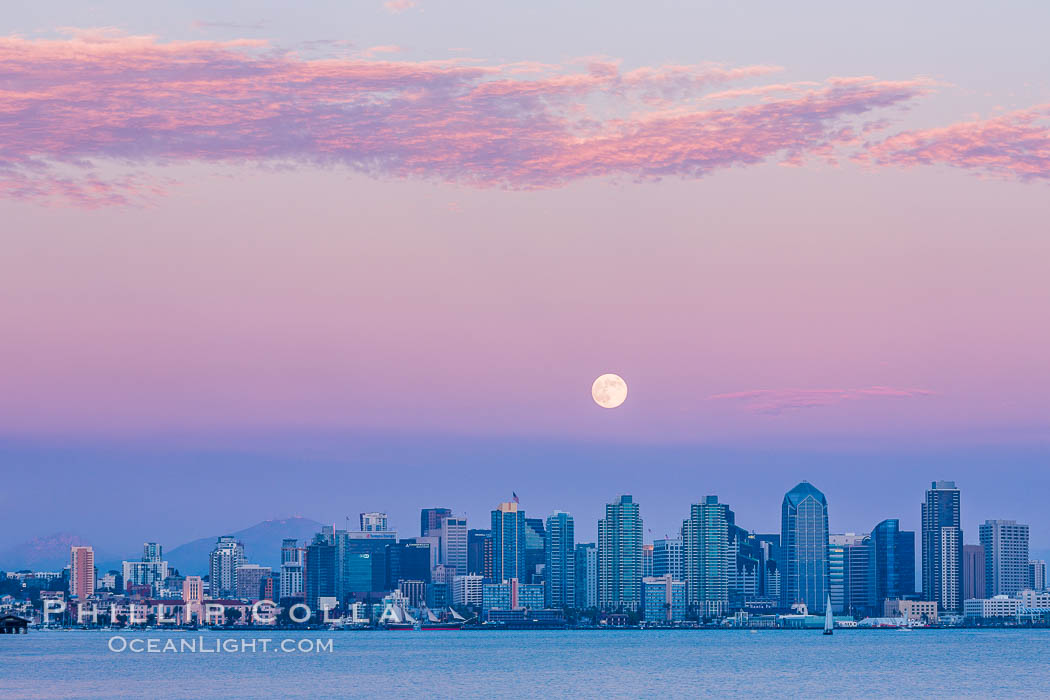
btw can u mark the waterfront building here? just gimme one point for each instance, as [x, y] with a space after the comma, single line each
[1037, 575]
[1005, 545]
[560, 568]
[291, 583]
[804, 539]
[454, 544]
[508, 542]
[496, 596]
[667, 558]
[894, 554]
[942, 546]
[912, 610]
[373, 522]
[535, 550]
[319, 571]
[1000, 606]
[222, 566]
[479, 552]
[192, 590]
[249, 579]
[81, 572]
[664, 599]
[705, 538]
[1034, 600]
[415, 592]
[586, 587]
[407, 560]
[620, 555]
[973, 571]
[467, 589]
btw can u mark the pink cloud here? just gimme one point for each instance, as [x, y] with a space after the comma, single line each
[398, 6]
[1014, 145]
[776, 401]
[70, 104]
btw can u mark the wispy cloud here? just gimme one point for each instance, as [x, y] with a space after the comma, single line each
[776, 401]
[98, 96]
[398, 6]
[204, 24]
[1014, 145]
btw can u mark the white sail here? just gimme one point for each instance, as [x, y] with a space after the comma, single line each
[431, 617]
[829, 621]
[408, 617]
[456, 616]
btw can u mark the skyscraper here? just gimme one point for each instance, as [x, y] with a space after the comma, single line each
[508, 542]
[973, 572]
[407, 560]
[851, 573]
[560, 569]
[535, 556]
[620, 555]
[804, 540]
[373, 522]
[1037, 575]
[1005, 545]
[151, 552]
[942, 546]
[586, 576]
[647, 560]
[479, 552]
[222, 566]
[319, 571]
[81, 572]
[430, 521]
[291, 584]
[894, 551]
[454, 544]
[705, 541]
[667, 558]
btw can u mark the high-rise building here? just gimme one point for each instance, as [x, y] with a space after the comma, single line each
[407, 560]
[1005, 545]
[620, 555]
[508, 542]
[291, 583]
[851, 574]
[769, 555]
[804, 542]
[535, 556]
[942, 546]
[373, 522]
[705, 541]
[743, 563]
[973, 572]
[1037, 575]
[81, 572]
[360, 560]
[249, 578]
[430, 521]
[894, 551]
[222, 566]
[560, 569]
[151, 551]
[319, 571]
[479, 552]
[586, 576]
[667, 558]
[454, 544]
[647, 560]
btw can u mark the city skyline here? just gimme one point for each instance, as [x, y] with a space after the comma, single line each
[331, 246]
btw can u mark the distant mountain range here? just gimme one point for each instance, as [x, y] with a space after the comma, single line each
[262, 545]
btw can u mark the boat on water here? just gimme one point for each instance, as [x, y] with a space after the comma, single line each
[398, 619]
[452, 621]
[829, 620]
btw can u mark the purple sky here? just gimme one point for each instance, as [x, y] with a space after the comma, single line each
[367, 247]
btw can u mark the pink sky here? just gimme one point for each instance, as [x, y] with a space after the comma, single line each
[221, 234]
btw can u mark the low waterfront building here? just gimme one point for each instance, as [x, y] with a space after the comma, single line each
[912, 610]
[664, 599]
[467, 590]
[1000, 606]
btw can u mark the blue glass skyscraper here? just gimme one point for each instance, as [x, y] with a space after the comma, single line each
[508, 542]
[804, 539]
[894, 551]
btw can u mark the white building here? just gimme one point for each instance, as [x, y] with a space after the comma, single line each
[222, 566]
[1034, 599]
[1005, 545]
[373, 522]
[999, 606]
[454, 544]
[911, 610]
[466, 590]
[145, 573]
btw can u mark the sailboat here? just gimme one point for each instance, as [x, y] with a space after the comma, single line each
[829, 621]
[452, 621]
[401, 620]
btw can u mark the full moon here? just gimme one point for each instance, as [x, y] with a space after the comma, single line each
[609, 390]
